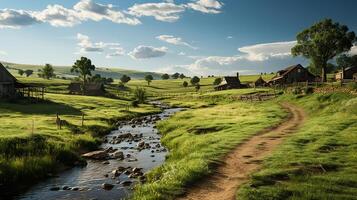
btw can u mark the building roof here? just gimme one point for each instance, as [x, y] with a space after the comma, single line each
[6, 76]
[230, 80]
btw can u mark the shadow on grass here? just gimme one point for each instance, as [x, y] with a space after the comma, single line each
[44, 107]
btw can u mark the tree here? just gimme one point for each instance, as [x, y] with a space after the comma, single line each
[125, 79]
[185, 84]
[182, 76]
[217, 81]
[46, 72]
[28, 72]
[175, 75]
[197, 87]
[84, 68]
[149, 78]
[20, 72]
[165, 76]
[322, 42]
[195, 80]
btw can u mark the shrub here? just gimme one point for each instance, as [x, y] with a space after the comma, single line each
[352, 85]
[140, 95]
[185, 84]
[135, 103]
[309, 90]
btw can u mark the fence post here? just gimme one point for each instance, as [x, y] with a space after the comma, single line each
[82, 119]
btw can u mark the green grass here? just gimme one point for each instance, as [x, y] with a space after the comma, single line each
[317, 162]
[198, 138]
[30, 143]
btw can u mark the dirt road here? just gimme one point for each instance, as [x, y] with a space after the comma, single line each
[244, 160]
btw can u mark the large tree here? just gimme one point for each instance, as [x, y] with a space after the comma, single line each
[84, 68]
[28, 72]
[322, 42]
[195, 80]
[165, 76]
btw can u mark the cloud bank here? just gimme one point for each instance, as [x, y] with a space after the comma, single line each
[145, 52]
[174, 40]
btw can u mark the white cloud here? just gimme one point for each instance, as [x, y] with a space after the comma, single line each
[353, 50]
[181, 53]
[206, 6]
[3, 53]
[164, 11]
[174, 40]
[57, 15]
[86, 46]
[261, 52]
[88, 9]
[10, 18]
[144, 52]
[229, 37]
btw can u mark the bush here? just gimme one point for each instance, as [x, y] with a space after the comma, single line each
[140, 95]
[135, 103]
[352, 85]
[296, 90]
[309, 90]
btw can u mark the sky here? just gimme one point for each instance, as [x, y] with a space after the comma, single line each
[194, 37]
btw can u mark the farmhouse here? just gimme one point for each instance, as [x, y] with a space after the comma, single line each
[230, 82]
[349, 73]
[92, 89]
[7, 83]
[292, 74]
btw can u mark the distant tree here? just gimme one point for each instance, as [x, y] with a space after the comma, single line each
[109, 80]
[149, 78]
[175, 75]
[165, 76]
[185, 84]
[182, 76]
[20, 72]
[47, 72]
[28, 72]
[84, 68]
[322, 42]
[217, 81]
[197, 87]
[125, 79]
[195, 80]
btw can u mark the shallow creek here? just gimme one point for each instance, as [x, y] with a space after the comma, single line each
[87, 182]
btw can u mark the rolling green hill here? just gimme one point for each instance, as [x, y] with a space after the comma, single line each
[65, 71]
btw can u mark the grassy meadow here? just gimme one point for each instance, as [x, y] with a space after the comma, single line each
[31, 144]
[317, 162]
[197, 139]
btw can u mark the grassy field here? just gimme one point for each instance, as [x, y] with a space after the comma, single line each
[317, 162]
[31, 144]
[198, 138]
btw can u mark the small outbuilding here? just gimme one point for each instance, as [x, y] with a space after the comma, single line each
[347, 75]
[92, 89]
[230, 82]
[260, 82]
[292, 74]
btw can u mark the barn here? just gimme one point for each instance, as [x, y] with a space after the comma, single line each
[7, 83]
[348, 73]
[92, 89]
[292, 74]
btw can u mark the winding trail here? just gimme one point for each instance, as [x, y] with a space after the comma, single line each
[245, 159]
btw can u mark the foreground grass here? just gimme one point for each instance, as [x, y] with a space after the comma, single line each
[31, 145]
[317, 162]
[198, 138]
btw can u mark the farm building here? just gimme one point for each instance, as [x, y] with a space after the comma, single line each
[349, 74]
[230, 82]
[92, 89]
[7, 83]
[292, 74]
[260, 82]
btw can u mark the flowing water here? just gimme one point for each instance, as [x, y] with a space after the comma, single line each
[86, 182]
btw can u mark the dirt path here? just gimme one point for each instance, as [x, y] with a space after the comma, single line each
[244, 160]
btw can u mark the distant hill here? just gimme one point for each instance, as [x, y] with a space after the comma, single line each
[65, 71]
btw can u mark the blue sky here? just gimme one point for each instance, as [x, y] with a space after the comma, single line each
[191, 36]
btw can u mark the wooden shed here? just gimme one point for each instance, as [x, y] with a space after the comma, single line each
[92, 89]
[260, 82]
[347, 75]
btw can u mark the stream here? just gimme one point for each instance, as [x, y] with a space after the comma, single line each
[142, 151]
